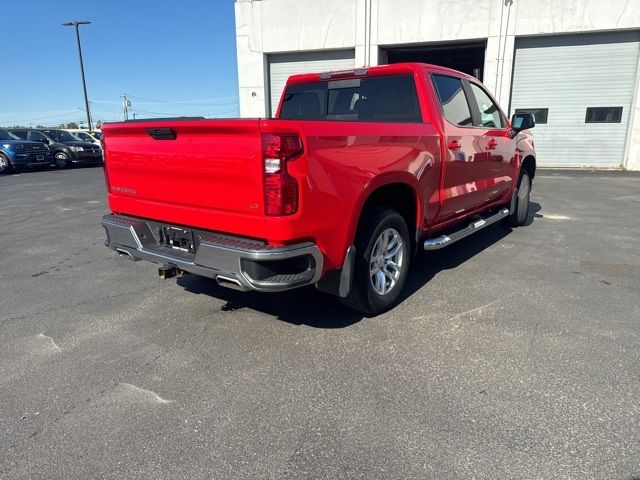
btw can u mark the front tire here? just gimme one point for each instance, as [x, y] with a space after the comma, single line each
[520, 213]
[383, 254]
[62, 160]
[5, 164]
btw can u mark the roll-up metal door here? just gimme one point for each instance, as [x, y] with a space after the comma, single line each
[283, 65]
[584, 86]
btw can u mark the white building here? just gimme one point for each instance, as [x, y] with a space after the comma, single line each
[575, 62]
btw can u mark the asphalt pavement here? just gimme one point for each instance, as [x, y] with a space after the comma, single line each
[515, 354]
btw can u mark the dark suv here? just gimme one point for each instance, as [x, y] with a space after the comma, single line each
[16, 153]
[66, 148]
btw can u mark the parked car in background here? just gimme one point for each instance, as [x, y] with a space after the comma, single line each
[359, 169]
[83, 135]
[66, 148]
[17, 153]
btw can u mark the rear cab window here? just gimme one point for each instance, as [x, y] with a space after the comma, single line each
[391, 98]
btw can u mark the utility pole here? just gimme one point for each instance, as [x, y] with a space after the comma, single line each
[125, 106]
[76, 24]
[90, 117]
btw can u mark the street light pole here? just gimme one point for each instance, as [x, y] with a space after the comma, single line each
[84, 84]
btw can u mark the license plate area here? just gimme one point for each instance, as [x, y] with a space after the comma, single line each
[40, 158]
[178, 238]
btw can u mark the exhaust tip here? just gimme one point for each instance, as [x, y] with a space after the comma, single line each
[229, 282]
[124, 253]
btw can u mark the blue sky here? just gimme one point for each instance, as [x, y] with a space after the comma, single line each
[172, 58]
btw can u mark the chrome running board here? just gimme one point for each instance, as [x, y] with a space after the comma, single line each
[444, 240]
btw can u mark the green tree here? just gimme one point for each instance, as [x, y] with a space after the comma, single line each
[68, 125]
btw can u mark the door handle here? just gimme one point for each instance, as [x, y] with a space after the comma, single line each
[492, 144]
[454, 145]
[162, 133]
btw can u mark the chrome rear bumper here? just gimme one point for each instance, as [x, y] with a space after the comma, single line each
[235, 262]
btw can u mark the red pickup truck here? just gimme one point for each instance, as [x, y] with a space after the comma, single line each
[357, 171]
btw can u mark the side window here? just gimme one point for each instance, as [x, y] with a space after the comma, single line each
[490, 115]
[53, 134]
[22, 134]
[455, 107]
[37, 136]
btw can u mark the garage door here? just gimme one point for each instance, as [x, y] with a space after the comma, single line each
[283, 65]
[580, 88]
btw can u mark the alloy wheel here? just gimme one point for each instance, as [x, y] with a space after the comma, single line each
[61, 160]
[386, 261]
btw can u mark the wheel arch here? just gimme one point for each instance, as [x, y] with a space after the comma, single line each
[398, 192]
[529, 165]
[9, 160]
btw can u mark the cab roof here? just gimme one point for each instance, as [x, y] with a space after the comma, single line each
[393, 69]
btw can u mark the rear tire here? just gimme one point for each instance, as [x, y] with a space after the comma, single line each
[383, 254]
[5, 164]
[62, 160]
[520, 213]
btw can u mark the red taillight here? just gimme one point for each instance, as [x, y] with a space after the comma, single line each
[104, 166]
[280, 188]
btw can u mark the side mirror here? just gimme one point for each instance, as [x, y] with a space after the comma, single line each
[522, 121]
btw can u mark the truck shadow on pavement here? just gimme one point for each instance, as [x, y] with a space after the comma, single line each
[308, 306]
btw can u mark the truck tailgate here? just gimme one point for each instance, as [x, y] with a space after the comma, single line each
[199, 173]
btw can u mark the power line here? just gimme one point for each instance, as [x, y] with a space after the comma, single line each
[172, 114]
[113, 113]
[186, 102]
[102, 110]
[75, 112]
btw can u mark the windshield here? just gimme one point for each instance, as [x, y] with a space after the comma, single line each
[84, 136]
[4, 135]
[61, 135]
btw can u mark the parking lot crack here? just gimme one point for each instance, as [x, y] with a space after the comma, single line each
[50, 340]
[76, 304]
